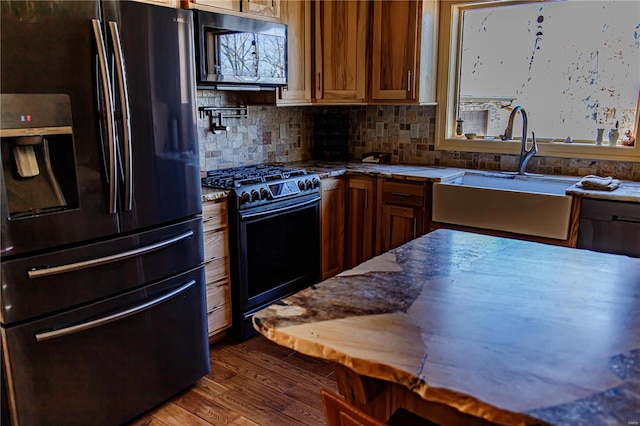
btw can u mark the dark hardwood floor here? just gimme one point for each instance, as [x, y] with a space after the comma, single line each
[255, 382]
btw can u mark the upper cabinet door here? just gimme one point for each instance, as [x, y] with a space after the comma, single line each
[395, 41]
[269, 8]
[341, 51]
[168, 3]
[297, 16]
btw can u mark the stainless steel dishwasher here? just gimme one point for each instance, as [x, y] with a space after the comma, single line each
[610, 226]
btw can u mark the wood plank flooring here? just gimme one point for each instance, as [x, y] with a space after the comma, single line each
[255, 382]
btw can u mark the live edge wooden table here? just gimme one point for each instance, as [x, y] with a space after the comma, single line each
[471, 329]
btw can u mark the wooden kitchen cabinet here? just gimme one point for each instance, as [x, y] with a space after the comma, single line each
[297, 16]
[404, 213]
[395, 42]
[269, 9]
[216, 258]
[404, 47]
[360, 220]
[223, 5]
[332, 215]
[340, 36]
[168, 3]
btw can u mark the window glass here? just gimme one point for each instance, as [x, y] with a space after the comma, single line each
[574, 66]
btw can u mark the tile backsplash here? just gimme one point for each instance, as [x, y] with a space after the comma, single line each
[268, 134]
[285, 134]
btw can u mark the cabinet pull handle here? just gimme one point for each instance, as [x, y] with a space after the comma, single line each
[366, 198]
[415, 227]
[408, 80]
[320, 83]
[617, 218]
[401, 194]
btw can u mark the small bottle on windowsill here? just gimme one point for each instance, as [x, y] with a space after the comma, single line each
[459, 122]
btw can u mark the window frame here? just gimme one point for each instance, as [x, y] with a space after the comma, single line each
[447, 95]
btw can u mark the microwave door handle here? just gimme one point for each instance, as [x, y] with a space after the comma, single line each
[108, 100]
[126, 117]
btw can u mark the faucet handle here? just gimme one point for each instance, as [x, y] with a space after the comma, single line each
[534, 144]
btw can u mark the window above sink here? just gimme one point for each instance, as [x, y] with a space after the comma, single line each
[574, 66]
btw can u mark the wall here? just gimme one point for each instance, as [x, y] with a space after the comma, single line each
[284, 134]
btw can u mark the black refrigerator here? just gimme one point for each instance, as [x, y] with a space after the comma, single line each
[102, 303]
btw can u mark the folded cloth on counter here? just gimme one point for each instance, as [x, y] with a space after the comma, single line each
[593, 182]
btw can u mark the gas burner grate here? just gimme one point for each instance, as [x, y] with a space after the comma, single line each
[236, 177]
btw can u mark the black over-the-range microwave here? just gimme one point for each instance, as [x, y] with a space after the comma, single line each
[238, 53]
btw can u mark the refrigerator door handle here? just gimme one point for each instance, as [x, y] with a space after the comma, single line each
[126, 117]
[45, 272]
[40, 337]
[106, 90]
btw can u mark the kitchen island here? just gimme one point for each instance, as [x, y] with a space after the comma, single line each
[465, 327]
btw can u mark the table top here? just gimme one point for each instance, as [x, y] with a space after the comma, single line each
[503, 329]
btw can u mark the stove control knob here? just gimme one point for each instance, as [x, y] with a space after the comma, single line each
[301, 185]
[254, 195]
[307, 184]
[264, 194]
[316, 183]
[245, 197]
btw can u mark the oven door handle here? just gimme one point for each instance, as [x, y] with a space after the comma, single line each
[278, 210]
[113, 317]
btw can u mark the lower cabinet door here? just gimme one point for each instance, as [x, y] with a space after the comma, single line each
[399, 225]
[107, 362]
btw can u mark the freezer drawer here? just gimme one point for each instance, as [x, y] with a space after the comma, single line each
[140, 349]
[53, 282]
[610, 227]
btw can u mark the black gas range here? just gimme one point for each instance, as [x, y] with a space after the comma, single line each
[274, 235]
[265, 184]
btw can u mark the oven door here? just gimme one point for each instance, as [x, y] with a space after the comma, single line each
[278, 251]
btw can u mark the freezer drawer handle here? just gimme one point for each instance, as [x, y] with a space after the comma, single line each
[47, 335]
[45, 272]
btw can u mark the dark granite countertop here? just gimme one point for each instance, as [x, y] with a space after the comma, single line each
[503, 329]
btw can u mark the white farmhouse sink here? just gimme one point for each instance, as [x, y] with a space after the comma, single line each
[526, 205]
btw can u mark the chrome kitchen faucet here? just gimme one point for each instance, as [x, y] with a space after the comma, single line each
[525, 155]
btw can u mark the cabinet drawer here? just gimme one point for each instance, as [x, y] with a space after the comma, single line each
[216, 269]
[214, 215]
[219, 318]
[215, 245]
[410, 194]
[218, 294]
